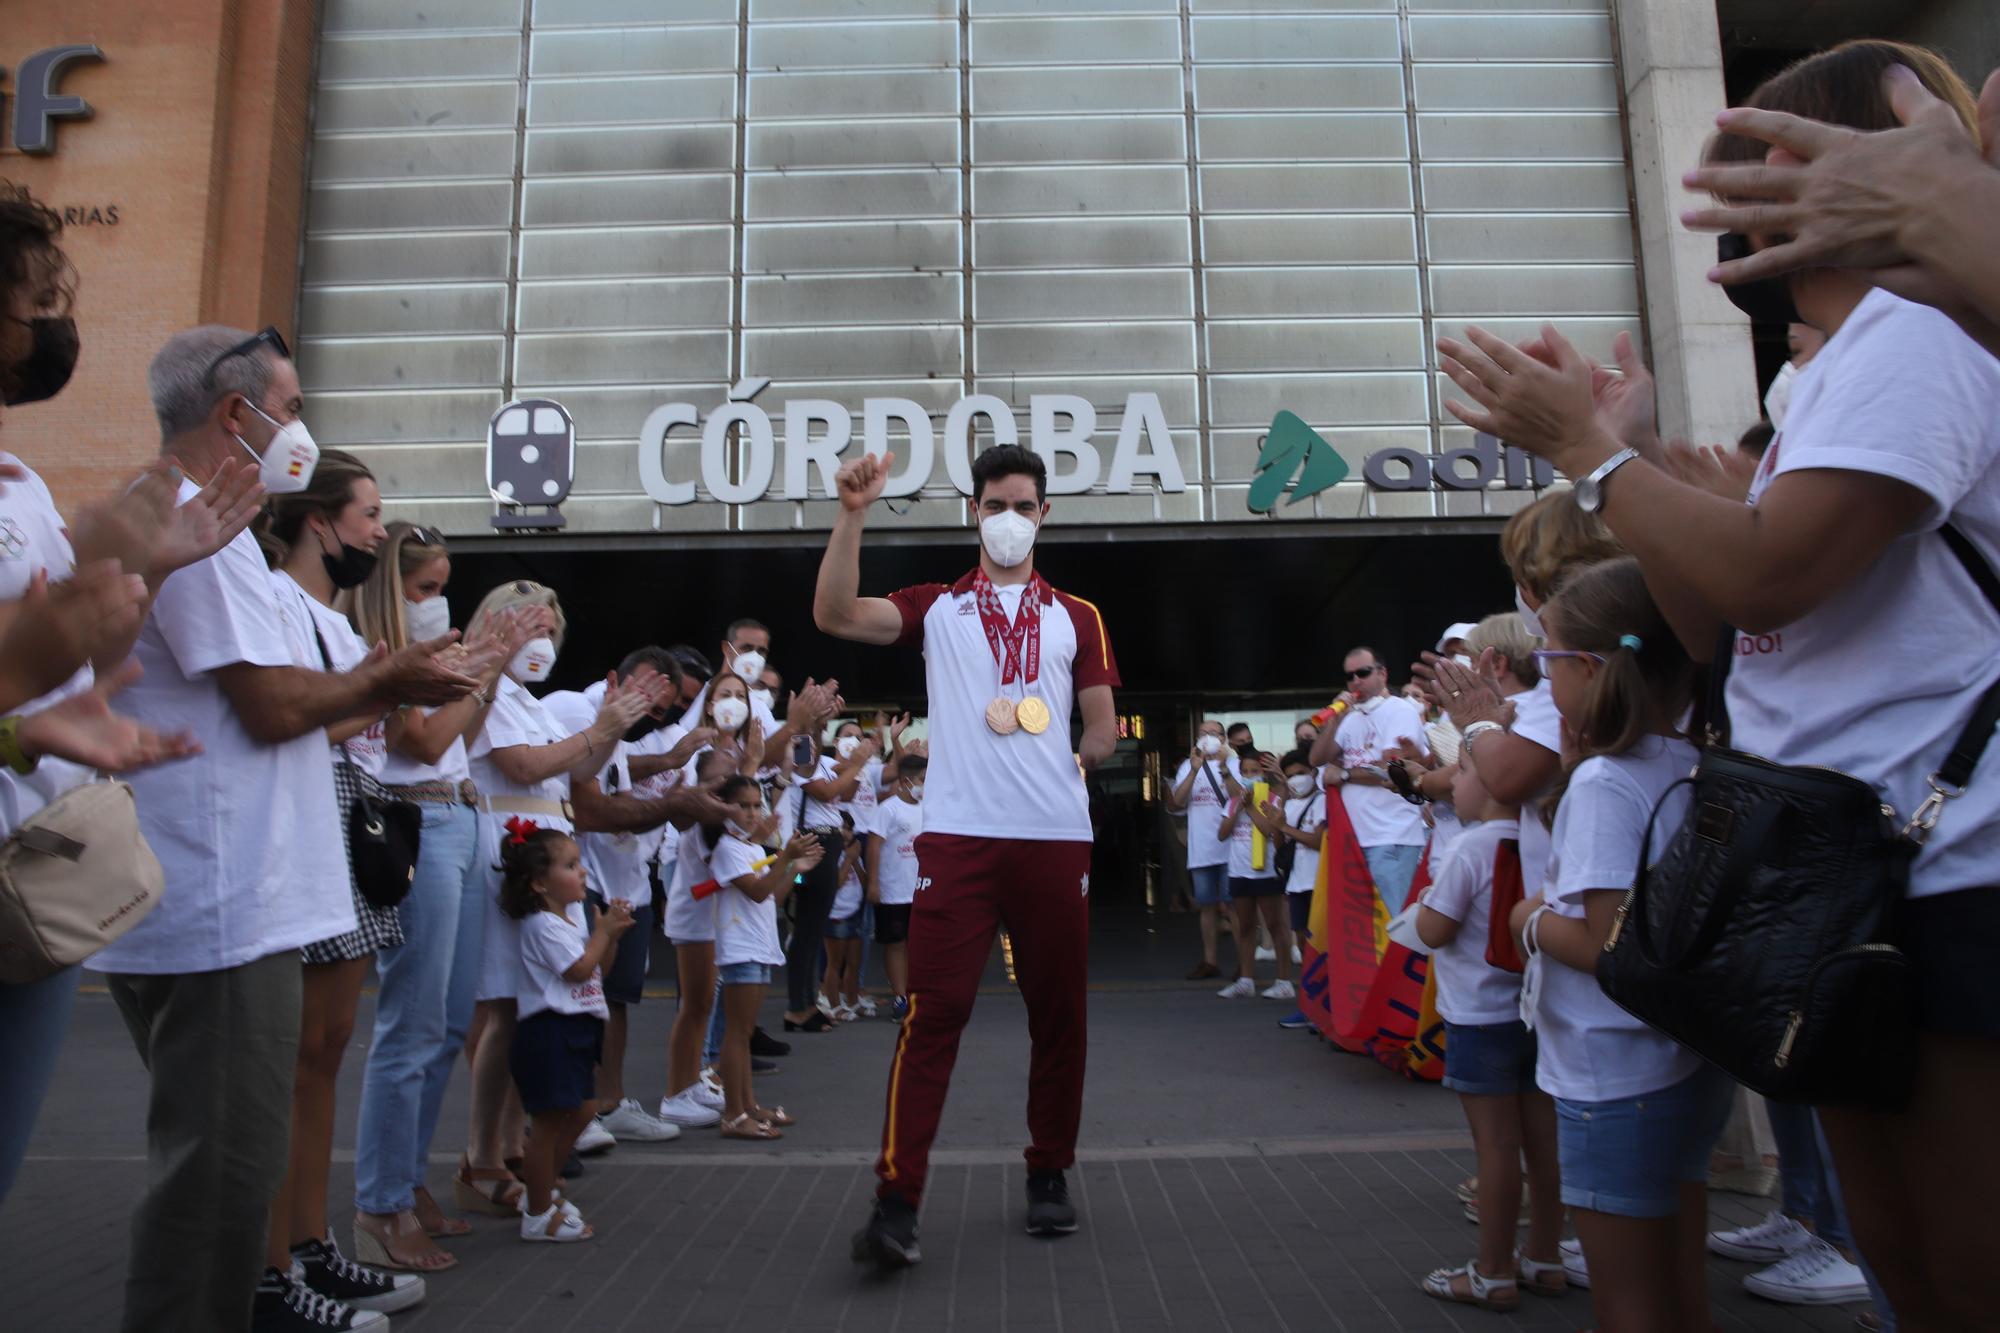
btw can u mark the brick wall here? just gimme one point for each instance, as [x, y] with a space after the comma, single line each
[199, 140]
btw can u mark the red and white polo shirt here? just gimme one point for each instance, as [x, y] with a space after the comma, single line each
[981, 784]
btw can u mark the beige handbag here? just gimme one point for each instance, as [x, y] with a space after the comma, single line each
[74, 876]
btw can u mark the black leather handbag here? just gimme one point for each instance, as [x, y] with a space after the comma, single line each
[1765, 938]
[383, 831]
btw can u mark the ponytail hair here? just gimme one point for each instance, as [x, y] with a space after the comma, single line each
[527, 853]
[1646, 676]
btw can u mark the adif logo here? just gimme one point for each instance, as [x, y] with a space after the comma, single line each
[1293, 448]
[923, 882]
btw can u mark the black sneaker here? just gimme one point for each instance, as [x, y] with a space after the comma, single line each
[890, 1238]
[1050, 1213]
[285, 1306]
[321, 1266]
[764, 1066]
[763, 1043]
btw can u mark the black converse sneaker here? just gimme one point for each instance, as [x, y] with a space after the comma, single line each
[1050, 1213]
[285, 1306]
[890, 1238]
[321, 1266]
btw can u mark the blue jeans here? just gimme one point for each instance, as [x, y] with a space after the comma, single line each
[421, 1013]
[1838, 1208]
[1803, 1178]
[33, 1019]
[1210, 885]
[1392, 868]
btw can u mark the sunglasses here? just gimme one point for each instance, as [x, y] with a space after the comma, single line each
[1361, 673]
[1544, 656]
[269, 337]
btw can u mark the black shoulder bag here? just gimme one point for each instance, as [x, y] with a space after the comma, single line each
[382, 831]
[1765, 938]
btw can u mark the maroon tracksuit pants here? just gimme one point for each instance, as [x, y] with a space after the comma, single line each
[967, 888]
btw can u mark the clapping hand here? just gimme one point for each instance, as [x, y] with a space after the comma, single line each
[615, 919]
[1468, 694]
[84, 730]
[56, 628]
[416, 673]
[803, 852]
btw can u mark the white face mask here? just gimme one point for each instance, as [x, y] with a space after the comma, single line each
[1209, 745]
[763, 697]
[731, 713]
[428, 619]
[533, 663]
[1778, 397]
[733, 826]
[917, 791]
[846, 746]
[286, 465]
[1301, 784]
[1529, 619]
[1461, 659]
[1008, 538]
[749, 665]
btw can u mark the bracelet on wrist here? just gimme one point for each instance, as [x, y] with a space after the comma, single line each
[11, 752]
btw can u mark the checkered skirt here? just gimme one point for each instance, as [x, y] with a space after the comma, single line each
[377, 928]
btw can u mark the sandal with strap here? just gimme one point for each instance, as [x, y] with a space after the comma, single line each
[444, 1228]
[747, 1126]
[1540, 1278]
[1501, 1294]
[560, 1225]
[774, 1115]
[398, 1243]
[493, 1191]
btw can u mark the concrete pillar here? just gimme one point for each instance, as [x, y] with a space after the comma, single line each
[1670, 56]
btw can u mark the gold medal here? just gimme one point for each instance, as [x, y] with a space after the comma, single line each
[1000, 716]
[1033, 715]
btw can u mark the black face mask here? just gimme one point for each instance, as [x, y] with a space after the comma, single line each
[1765, 301]
[49, 364]
[644, 727]
[1248, 750]
[349, 569]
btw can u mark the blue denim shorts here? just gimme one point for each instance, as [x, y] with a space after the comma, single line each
[1631, 1156]
[744, 974]
[1210, 885]
[1489, 1059]
[846, 928]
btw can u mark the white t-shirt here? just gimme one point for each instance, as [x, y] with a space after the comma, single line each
[826, 814]
[516, 718]
[1469, 989]
[1204, 809]
[1536, 719]
[1240, 849]
[847, 899]
[618, 862]
[746, 931]
[1591, 1050]
[897, 824]
[303, 614]
[1308, 815]
[32, 538]
[1880, 678]
[399, 770]
[248, 834]
[550, 946]
[985, 785]
[1381, 818]
[690, 920]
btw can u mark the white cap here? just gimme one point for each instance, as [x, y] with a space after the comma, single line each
[1462, 629]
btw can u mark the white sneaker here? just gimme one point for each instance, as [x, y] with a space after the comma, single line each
[595, 1139]
[1574, 1268]
[687, 1110]
[1778, 1237]
[707, 1090]
[629, 1120]
[1266, 954]
[1279, 990]
[865, 1006]
[1240, 989]
[1817, 1274]
[1296, 959]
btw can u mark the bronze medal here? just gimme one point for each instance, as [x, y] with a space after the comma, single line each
[1000, 716]
[1033, 715]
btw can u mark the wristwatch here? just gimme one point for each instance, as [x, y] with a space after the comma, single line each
[1590, 491]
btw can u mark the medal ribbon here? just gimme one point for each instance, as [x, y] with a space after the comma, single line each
[1016, 647]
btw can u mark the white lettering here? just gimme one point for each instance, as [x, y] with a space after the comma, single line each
[1049, 442]
[824, 453]
[958, 431]
[756, 451]
[652, 453]
[1144, 413]
[921, 455]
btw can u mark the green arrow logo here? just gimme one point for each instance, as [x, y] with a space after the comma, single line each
[1293, 447]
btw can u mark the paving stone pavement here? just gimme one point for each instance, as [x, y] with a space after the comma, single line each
[1233, 1176]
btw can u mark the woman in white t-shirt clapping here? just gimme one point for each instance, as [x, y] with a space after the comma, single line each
[1637, 1112]
[1255, 890]
[752, 885]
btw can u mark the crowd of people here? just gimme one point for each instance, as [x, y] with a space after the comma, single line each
[273, 670]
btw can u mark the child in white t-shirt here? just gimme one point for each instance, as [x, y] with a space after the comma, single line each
[1489, 1057]
[892, 874]
[1255, 891]
[559, 1036]
[840, 988]
[753, 883]
[1636, 1112]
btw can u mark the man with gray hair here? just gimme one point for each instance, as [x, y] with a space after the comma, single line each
[256, 867]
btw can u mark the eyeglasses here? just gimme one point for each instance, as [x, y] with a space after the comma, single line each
[1544, 656]
[1361, 673]
[269, 337]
